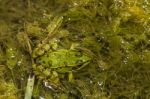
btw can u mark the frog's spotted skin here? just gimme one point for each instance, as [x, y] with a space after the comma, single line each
[58, 62]
[63, 59]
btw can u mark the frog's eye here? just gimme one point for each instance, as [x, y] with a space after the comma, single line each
[79, 62]
[78, 54]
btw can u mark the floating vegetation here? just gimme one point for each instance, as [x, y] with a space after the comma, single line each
[75, 49]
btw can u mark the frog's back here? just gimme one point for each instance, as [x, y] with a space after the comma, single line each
[63, 58]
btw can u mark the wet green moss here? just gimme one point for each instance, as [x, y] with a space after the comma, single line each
[115, 32]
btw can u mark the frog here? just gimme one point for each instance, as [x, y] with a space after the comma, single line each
[55, 63]
[52, 61]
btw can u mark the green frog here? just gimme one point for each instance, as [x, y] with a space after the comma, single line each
[51, 62]
[55, 63]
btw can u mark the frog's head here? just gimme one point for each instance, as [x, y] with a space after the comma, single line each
[71, 60]
[79, 55]
[77, 58]
[82, 58]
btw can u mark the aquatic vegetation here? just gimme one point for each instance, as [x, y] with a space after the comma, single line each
[53, 38]
[8, 90]
[51, 59]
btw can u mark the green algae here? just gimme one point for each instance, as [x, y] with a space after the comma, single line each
[116, 32]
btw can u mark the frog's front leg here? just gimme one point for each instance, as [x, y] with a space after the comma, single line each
[82, 66]
[70, 77]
